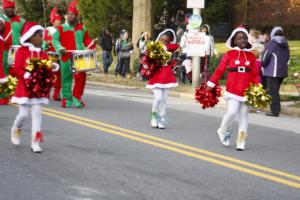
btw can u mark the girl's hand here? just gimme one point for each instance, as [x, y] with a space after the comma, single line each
[55, 67]
[209, 88]
[27, 75]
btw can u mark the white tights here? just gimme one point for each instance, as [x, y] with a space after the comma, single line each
[160, 101]
[236, 109]
[36, 118]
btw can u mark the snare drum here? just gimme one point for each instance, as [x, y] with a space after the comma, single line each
[53, 56]
[84, 60]
[11, 55]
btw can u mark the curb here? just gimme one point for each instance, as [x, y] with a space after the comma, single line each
[285, 110]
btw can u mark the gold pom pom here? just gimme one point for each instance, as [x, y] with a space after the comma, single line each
[257, 97]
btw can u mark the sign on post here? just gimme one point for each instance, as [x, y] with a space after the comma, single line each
[195, 22]
[195, 3]
[197, 44]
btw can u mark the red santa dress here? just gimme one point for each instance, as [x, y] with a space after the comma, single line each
[241, 67]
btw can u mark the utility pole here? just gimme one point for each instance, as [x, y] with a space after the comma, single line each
[196, 59]
[142, 20]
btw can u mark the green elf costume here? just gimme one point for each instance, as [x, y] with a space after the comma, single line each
[11, 35]
[71, 36]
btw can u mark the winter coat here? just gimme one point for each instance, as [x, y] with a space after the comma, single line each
[106, 42]
[276, 57]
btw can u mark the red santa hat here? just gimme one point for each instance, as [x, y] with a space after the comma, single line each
[8, 4]
[165, 31]
[29, 29]
[234, 32]
[73, 7]
[54, 15]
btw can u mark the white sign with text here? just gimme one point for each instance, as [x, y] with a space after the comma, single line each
[195, 3]
[197, 44]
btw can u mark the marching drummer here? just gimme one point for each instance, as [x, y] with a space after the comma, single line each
[69, 37]
[55, 19]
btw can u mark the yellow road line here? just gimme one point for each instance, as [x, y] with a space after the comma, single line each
[180, 151]
[209, 153]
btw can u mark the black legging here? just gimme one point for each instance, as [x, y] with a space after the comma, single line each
[273, 84]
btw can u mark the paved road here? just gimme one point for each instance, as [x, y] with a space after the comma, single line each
[109, 151]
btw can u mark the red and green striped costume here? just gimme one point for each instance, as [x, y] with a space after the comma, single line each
[71, 38]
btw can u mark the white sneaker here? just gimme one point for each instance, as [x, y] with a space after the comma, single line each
[161, 123]
[154, 123]
[35, 147]
[15, 136]
[224, 136]
[241, 141]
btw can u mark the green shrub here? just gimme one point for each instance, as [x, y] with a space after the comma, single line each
[294, 67]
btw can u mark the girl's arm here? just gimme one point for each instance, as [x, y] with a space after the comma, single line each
[18, 69]
[219, 71]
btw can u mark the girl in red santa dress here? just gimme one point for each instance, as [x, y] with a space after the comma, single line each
[240, 63]
[31, 41]
[161, 82]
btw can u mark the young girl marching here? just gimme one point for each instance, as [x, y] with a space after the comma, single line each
[240, 63]
[161, 82]
[31, 41]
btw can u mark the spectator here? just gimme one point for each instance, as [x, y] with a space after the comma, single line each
[117, 44]
[125, 48]
[210, 51]
[142, 46]
[106, 43]
[275, 67]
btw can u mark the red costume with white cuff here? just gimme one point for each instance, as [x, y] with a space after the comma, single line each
[164, 77]
[240, 76]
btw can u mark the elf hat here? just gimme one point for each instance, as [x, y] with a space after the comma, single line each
[54, 15]
[73, 7]
[165, 31]
[8, 4]
[29, 29]
[234, 32]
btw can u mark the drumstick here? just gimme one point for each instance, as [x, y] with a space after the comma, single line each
[8, 35]
[93, 42]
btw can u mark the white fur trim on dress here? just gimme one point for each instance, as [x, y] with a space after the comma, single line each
[30, 33]
[228, 95]
[228, 42]
[2, 20]
[29, 101]
[163, 86]
[211, 84]
[3, 80]
[171, 30]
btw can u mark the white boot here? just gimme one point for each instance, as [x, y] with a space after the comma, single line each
[241, 141]
[154, 120]
[224, 135]
[37, 138]
[15, 136]
[161, 123]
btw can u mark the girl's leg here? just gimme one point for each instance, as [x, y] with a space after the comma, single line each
[224, 131]
[36, 135]
[163, 108]
[18, 123]
[243, 127]
[156, 105]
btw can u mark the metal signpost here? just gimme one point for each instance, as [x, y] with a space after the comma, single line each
[195, 21]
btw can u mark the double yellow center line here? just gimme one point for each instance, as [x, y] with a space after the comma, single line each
[201, 154]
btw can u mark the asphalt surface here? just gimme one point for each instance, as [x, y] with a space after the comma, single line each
[118, 156]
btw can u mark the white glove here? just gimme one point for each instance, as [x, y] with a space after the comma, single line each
[27, 75]
[55, 67]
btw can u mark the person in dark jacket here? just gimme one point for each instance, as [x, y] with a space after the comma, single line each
[106, 43]
[275, 67]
